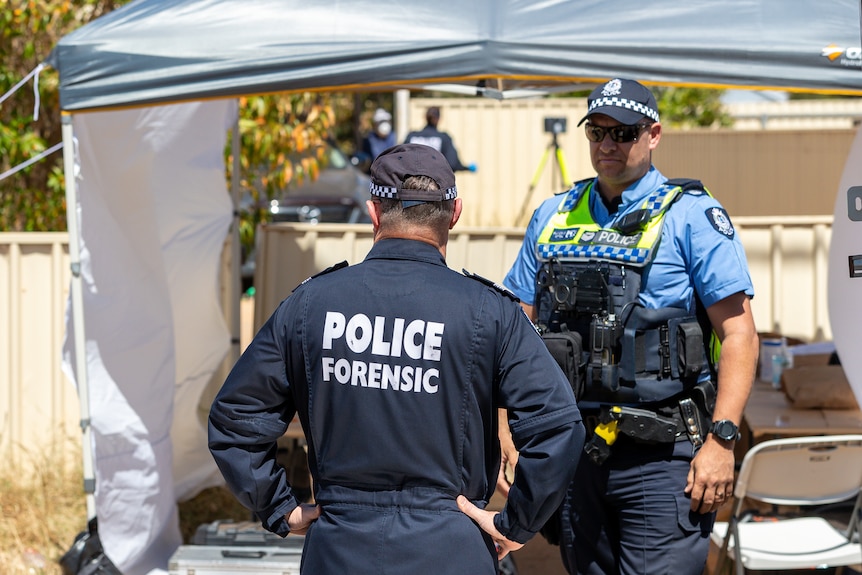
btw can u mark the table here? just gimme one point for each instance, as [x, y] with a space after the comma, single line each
[769, 414]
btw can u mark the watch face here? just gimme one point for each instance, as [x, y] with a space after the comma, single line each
[725, 429]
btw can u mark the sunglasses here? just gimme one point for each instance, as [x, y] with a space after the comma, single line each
[620, 134]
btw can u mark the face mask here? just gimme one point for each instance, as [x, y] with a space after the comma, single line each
[384, 129]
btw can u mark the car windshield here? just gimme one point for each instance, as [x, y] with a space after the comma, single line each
[336, 159]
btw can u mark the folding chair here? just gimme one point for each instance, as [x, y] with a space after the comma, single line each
[802, 472]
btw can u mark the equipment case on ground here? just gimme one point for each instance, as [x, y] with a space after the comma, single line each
[242, 533]
[237, 560]
[237, 548]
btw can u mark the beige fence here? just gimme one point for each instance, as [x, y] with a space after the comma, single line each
[39, 416]
[38, 406]
[787, 256]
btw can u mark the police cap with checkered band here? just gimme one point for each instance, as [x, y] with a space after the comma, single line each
[626, 101]
[398, 163]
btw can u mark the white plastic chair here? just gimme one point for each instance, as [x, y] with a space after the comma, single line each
[801, 472]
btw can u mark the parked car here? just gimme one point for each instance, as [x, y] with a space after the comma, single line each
[338, 195]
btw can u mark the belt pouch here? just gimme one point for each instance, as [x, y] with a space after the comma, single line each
[690, 354]
[566, 347]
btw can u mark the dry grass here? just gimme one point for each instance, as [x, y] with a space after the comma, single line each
[43, 508]
[208, 506]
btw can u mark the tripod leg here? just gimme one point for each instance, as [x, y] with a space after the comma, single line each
[534, 181]
[540, 169]
[561, 163]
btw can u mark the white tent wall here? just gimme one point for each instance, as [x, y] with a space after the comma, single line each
[154, 213]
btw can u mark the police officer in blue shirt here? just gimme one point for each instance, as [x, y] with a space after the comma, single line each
[396, 368]
[641, 287]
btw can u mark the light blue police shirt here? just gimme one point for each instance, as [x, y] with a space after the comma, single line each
[699, 251]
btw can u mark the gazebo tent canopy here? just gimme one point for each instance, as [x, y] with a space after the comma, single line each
[159, 51]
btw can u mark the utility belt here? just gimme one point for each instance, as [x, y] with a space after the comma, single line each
[685, 418]
[612, 348]
[657, 354]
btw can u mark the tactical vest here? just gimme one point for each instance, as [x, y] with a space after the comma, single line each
[612, 347]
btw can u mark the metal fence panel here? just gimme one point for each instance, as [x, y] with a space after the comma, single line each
[787, 257]
[38, 405]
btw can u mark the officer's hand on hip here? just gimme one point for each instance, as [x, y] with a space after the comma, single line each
[301, 518]
[485, 521]
[710, 478]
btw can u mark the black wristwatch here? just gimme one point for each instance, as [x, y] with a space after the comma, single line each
[725, 429]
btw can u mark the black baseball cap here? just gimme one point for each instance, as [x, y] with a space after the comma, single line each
[396, 164]
[626, 101]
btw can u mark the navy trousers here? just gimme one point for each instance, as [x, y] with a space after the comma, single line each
[630, 515]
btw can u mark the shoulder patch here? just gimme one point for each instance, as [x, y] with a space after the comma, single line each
[499, 287]
[720, 221]
[330, 269]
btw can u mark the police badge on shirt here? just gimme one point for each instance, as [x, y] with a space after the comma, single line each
[719, 220]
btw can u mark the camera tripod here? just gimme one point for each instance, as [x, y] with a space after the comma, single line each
[562, 172]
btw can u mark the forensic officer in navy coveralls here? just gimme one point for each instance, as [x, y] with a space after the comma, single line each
[647, 280]
[396, 368]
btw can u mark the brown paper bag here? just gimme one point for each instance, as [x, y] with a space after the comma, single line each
[821, 386]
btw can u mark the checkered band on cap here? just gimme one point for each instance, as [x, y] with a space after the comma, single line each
[392, 193]
[395, 165]
[624, 103]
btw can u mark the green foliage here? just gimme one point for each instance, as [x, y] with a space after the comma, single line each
[691, 107]
[281, 135]
[282, 139]
[33, 199]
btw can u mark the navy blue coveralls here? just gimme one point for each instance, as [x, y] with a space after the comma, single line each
[396, 367]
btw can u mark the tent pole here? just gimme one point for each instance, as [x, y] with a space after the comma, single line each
[236, 282]
[402, 114]
[76, 290]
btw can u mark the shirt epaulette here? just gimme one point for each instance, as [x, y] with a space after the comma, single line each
[330, 269]
[499, 287]
[583, 182]
[689, 186]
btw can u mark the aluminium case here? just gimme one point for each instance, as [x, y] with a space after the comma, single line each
[237, 548]
[234, 560]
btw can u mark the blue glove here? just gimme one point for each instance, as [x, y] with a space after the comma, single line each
[472, 167]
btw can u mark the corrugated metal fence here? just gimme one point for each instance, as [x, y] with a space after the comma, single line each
[787, 257]
[39, 419]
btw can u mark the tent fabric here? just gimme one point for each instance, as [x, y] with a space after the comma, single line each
[156, 51]
[154, 213]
